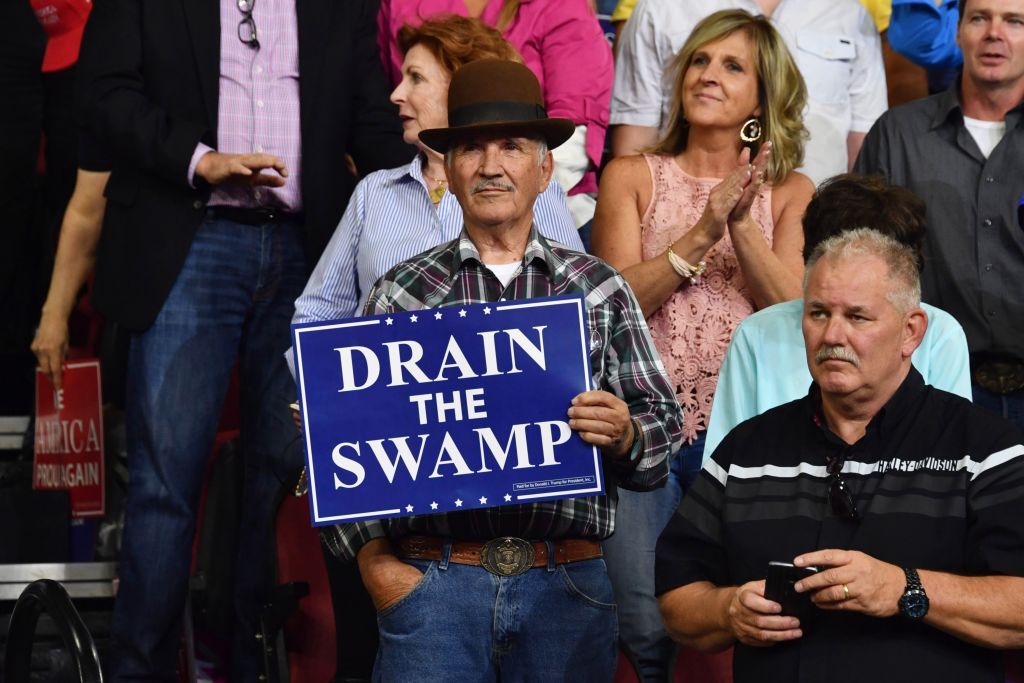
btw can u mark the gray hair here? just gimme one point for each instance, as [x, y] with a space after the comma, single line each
[905, 292]
[542, 149]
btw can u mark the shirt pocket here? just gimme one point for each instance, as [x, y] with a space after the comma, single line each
[825, 61]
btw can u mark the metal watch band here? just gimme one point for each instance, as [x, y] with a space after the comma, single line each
[913, 580]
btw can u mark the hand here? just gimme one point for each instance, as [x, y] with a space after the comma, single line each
[754, 620]
[51, 345]
[602, 419]
[387, 578]
[243, 169]
[296, 415]
[759, 172]
[875, 587]
[724, 196]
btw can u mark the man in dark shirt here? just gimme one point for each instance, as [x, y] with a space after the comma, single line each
[906, 497]
[960, 151]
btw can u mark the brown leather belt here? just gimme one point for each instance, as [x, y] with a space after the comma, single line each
[504, 556]
[998, 375]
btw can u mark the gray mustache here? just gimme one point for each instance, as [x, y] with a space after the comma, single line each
[828, 352]
[482, 185]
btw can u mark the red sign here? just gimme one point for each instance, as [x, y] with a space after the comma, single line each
[69, 437]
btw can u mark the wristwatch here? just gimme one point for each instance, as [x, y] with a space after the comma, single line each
[914, 601]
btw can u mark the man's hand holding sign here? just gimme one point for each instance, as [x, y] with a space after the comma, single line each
[603, 419]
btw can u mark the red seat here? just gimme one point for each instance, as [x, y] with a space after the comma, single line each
[309, 630]
[705, 667]
[625, 670]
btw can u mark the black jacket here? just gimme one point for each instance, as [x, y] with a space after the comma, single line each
[148, 88]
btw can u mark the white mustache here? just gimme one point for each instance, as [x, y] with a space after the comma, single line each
[482, 185]
[829, 352]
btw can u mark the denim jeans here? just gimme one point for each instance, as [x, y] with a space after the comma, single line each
[463, 624]
[640, 517]
[232, 300]
[1010, 406]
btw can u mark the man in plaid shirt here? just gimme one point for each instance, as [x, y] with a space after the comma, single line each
[545, 611]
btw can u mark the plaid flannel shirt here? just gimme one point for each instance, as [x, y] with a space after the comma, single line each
[623, 361]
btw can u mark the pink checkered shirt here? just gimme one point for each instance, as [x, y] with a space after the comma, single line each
[259, 102]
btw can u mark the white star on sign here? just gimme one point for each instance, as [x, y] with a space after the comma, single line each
[413, 318]
[487, 310]
[483, 500]
[458, 502]
[408, 508]
[389, 321]
[433, 505]
[438, 316]
[508, 498]
[462, 314]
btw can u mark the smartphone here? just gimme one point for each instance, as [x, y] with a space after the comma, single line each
[778, 587]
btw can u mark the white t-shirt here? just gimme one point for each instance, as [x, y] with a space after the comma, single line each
[986, 133]
[505, 271]
[835, 45]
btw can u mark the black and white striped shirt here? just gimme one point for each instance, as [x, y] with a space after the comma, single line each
[939, 484]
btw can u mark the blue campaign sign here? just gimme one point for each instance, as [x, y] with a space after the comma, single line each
[446, 409]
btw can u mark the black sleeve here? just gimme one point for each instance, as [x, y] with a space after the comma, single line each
[113, 101]
[92, 156]
[873, 158]
[691, 548]
[995, 497]
[376, 133]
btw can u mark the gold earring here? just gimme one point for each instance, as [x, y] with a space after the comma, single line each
[751, 131]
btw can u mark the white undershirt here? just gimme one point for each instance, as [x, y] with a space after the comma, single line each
[986, 134]
[505, 271]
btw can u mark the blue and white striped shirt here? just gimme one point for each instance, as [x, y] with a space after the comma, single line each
[390, 219]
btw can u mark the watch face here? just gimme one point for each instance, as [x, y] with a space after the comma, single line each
[914, 604]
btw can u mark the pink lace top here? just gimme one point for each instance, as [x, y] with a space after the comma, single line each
[693, 327]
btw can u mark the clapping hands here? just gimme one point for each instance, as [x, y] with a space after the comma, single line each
[729, 202]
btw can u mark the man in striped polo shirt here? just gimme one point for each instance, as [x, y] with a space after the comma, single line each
[907, 498]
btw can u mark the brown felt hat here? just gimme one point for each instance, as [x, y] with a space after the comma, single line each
[496, 95]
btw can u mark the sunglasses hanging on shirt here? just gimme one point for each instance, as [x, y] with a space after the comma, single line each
[839, 496]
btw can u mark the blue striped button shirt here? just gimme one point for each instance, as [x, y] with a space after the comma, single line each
[390, 219]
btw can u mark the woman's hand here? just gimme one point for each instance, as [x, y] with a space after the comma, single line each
[759, 172]
[724, 198]
[50, 345]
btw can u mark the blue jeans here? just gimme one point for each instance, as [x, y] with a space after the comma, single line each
[1010, 406]
[639, 519]
[463, 624]
[233, 299]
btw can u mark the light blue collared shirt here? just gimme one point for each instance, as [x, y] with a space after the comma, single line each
[766, 365]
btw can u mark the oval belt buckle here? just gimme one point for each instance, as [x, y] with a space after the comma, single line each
[507, 556]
